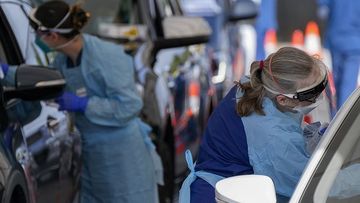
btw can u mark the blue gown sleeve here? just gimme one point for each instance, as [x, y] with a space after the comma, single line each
[58, 62]
[122, 102]
[10, 76]
[283, 160]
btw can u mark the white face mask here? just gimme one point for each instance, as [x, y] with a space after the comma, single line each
[307, 109]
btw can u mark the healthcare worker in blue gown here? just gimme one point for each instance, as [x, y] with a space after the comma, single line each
[257, 127]
[116, 150]
[343, 40]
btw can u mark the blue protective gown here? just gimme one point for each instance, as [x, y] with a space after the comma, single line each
[117, 165]
[343, 40]
[271, 145]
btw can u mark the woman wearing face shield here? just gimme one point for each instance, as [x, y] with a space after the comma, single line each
[257, 127]
[116, 150]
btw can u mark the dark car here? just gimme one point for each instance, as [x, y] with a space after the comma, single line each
[13, 186]
[40, 149]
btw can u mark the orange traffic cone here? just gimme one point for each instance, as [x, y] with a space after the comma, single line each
[194, 98]
[312, 39]
[297, 39]
[270, 42]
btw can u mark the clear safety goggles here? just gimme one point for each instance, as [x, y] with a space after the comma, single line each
[309, 94]
[41, 29]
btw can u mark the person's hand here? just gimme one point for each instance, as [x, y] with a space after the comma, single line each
[71, 102]
[312, 134]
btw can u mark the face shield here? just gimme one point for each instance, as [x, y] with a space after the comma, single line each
[311, 93]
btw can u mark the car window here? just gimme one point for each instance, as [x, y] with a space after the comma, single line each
[336, 177]
[10, 50]
[111, 11]
[346, 186]
[23, 111]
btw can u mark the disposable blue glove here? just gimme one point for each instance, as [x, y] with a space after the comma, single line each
[4, 68]
[323, 128]
[71, 102]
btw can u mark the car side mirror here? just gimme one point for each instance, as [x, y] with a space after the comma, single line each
[242, 10]
[182, 31]
[35, 83]
[245, 189]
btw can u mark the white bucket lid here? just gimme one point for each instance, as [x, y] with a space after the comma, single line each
[245, 189]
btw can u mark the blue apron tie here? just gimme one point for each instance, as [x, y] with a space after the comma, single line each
[212, 179]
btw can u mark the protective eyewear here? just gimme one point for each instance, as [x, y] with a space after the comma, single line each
[309, 94]
[39, 29]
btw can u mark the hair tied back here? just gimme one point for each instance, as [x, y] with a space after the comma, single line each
[80, 17]
[261, 65]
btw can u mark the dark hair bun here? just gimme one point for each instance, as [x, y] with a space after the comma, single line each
[79, 17]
